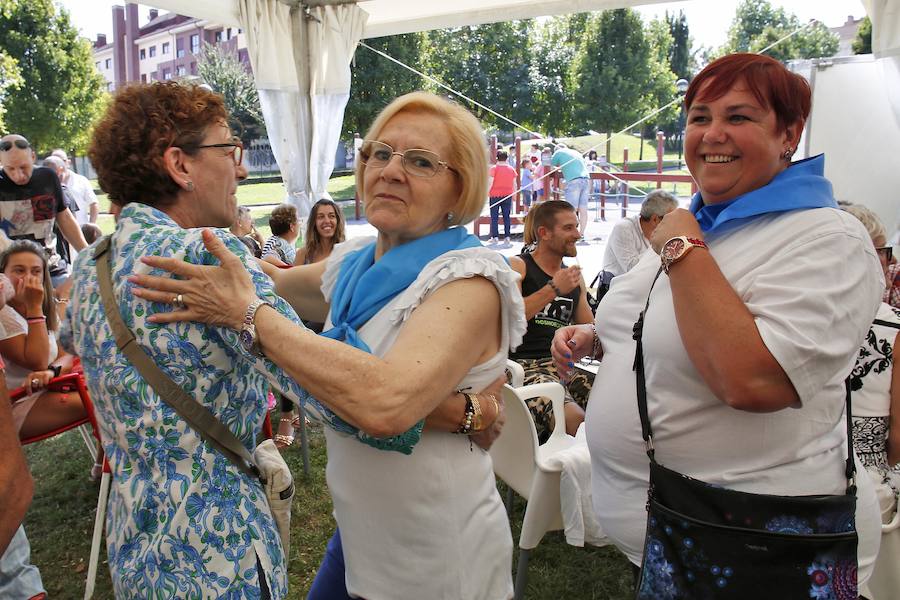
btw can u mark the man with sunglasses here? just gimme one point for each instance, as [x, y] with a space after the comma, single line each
[31, 203]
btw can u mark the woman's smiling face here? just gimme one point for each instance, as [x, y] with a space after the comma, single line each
[733, 145]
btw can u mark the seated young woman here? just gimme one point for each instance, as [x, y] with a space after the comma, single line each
[28, 325]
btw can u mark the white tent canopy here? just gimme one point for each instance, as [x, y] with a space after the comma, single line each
[303, 97]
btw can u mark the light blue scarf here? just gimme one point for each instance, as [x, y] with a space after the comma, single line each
[365, 286]
[802, 185]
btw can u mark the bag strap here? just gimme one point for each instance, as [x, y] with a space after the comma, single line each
[647, 431]
[198, 416]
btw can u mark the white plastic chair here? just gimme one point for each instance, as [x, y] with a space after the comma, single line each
[527, 468]
[885, 580]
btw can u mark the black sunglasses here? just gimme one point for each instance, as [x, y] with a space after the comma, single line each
[8, 144]
[887, 251]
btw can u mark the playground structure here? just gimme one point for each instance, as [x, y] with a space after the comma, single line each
[614, 184]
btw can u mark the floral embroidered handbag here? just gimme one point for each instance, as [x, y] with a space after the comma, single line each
[706, 541]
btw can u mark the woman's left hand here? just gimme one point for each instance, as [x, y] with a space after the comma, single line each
[214, 295]
[37, 380]
[676, 223]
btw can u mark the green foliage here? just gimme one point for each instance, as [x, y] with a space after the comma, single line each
[376, 80]
[611, 77]
[680, 50]
[10, 79]
[63, 94]
[226, 75]
[489, 63]
[554, 44]
[757, 25]
[863, 42]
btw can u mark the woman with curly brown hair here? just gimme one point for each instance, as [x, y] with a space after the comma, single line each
[183, 520]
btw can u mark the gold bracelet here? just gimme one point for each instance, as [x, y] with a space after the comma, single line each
[477, 417]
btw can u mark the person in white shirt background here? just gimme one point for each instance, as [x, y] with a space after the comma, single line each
[631, 236]
[81, 190]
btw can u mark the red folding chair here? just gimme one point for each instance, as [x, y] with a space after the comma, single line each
[73, 382]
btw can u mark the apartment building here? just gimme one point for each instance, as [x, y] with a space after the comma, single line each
[164, 47]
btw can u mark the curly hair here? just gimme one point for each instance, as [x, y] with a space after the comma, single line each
[281, 219]
[141, 122]
[20, 246]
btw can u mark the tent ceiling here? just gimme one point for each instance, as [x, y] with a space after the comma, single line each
[391, 17]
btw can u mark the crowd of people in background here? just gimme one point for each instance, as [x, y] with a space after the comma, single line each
[396, 345]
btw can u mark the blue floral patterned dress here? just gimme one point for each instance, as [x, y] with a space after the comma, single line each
[183, 522]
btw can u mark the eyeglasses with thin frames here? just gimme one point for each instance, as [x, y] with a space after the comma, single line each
[415, 161]
[20, 144]
[237, 153]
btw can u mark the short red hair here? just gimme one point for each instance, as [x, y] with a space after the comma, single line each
[787, 94]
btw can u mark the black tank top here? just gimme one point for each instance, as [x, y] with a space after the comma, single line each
[559, 312]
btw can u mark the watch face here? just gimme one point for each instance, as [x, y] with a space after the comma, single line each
[673, 249]
[246, 339]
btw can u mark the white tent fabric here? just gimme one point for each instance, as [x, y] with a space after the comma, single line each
[301, 61]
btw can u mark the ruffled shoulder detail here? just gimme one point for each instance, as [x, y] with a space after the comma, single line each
[462, 264]
[333, 266]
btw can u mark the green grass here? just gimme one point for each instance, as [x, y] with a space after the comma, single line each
[61, 519]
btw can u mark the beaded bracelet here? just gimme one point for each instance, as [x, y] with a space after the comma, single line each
[465, 428]
[595, 348]
[555, 289]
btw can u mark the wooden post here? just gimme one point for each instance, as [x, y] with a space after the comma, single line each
[492, 154]
[660, 146]
[625, 196]
[518, 174]
[603, 199]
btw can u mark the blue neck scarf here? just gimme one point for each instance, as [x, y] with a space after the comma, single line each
[364, 286]
[802, 185]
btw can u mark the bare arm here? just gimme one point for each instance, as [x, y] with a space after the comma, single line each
[273, 260]
[565, 280]
[718, 331]
[16, 485]
[301, 287]
[95, 211]
[442, 340]
[30, 349]
[300, 258]
[583, 314]
[893, 445]
[70, 229]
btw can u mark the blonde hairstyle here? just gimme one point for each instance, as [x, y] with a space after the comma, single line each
[868, 218]
[468, 151]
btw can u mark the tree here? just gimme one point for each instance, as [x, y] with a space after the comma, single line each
[226, 75]
[757, 25]
[863, 42]
[10, 79]
[610, 78]
[680, 51]
[553, 45]
[63, 93]
[660, 80]
[376, 80]
[489, 63]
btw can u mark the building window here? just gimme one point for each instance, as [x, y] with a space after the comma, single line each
[143, 78]
[153, 50]
[108, 63]
[165, 48]
[228, 33]
[167, 74]
[218, 36]
[180, 71]
[143, 54]
[109, 86]
[179, 48]
[98, 65]
[195, 43]
[193, 68]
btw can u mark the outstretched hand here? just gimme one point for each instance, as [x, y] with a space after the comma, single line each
[217, 295]
[570, 344]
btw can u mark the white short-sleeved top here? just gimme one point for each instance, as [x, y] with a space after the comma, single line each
[430, 524]
[11, 325]
[625, 246]
[813, 283]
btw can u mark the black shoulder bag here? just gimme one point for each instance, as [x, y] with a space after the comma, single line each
[706, 541]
